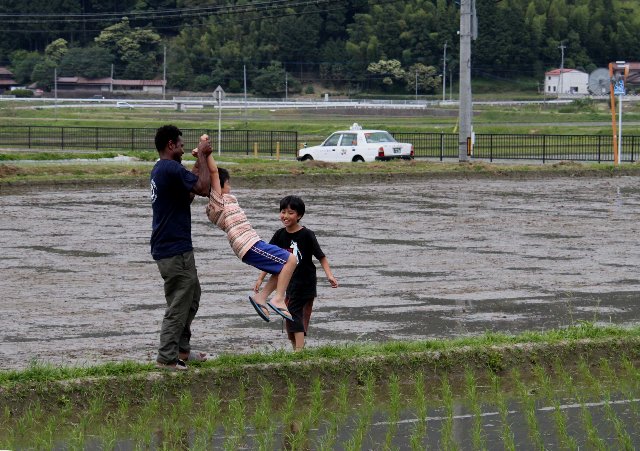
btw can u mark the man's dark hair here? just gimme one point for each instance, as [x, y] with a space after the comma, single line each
[294, 203]
[223, 174]
[165, 134]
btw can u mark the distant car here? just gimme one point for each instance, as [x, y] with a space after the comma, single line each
[357, 144]
[123, 105]
[97, 97]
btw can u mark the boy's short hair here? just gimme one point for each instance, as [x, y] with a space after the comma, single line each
[165, 134]
[223, 175]
[293, 202]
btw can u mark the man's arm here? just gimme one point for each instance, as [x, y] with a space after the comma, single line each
[203, 185]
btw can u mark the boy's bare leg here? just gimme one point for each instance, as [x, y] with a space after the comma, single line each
[267, 289]
[298, 341]
[282, 282]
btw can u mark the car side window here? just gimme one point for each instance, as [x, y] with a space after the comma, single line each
[332, 140]
[349, 139]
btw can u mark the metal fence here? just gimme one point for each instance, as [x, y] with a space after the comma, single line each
[524, 147]
[46, 138]
[246, 142]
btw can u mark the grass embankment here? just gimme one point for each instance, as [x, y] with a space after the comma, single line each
[246, 171]
[352, 396]
[496, 351]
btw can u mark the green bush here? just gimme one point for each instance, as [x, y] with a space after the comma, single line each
[22, 92]
[309, 90]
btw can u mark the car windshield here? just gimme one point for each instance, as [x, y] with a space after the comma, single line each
[379, 137]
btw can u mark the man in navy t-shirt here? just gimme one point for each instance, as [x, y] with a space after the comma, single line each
[173, 187]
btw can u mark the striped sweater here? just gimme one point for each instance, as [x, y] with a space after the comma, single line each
[225, 212]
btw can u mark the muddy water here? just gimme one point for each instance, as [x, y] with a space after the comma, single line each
[421, 259]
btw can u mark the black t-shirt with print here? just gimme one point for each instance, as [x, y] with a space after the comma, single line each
[303, 282]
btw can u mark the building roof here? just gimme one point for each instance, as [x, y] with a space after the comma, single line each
[138, 82]
[5, 71]
[8, 82]
[108, 81]
[564, 71]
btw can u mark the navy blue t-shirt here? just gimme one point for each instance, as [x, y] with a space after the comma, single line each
[171, 185]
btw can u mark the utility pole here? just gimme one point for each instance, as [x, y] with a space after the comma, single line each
[444, 72]
[164, 73]
[286, 86]
[466, 104]
[561, 47]
[416, 84]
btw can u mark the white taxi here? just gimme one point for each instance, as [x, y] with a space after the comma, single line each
[357, 144]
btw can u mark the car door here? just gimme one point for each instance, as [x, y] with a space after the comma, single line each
[329, 147]
[348, 147]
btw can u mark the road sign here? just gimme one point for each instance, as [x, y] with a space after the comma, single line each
[618, 88]
[218, 94]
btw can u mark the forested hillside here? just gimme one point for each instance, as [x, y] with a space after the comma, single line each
[359, 44]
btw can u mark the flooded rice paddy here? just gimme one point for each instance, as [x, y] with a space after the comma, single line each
[415, 259]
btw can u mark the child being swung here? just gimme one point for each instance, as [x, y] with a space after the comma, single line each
[224, 211]
[301, 291]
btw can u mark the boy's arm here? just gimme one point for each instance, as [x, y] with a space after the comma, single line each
[215, 177]
[261, 276]
[203, 185]
[324, 261]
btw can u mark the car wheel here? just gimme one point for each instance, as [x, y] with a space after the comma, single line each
[358, 159]
[306, 158]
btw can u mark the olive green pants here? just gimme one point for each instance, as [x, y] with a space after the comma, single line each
[182, 292]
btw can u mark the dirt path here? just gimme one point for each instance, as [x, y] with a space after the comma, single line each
[415, 259]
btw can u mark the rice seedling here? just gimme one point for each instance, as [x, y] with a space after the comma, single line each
[419, 432]
[632, 375]
[506, 432]
[234, 423]
[568, 384]
[363, 420]
[623, 439]
[447, 441]
[559, 417]
[471, 390]
[262, 419]
[109, 437]
[394, 410]
[335, 417]
[46, 439]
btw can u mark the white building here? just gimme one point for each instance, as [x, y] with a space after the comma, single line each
[566, 81]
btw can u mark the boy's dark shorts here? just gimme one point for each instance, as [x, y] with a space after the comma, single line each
[300, 310]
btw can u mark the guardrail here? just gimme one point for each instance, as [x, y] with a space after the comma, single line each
[272, 142]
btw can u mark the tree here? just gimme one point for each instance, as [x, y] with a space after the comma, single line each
[56, 50]
[43, 74]
[135, 49]
[22, 64]
[271, 81]
[426, 76]
[390, 69]
[90, 62]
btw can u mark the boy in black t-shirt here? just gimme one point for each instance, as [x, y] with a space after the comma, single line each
[301, 291]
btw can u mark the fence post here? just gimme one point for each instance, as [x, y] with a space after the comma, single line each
[61, 138]
[29, 133]
[599, 142]
[246, 141]
[491, 148]
[544, 147]
[441, 145]
[132, 139]
[271, 143]
[97, 138]
[277, 150]
[255, 150]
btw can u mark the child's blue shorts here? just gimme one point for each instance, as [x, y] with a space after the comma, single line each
[266, 257]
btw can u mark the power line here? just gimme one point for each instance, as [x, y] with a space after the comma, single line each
[175, 13]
